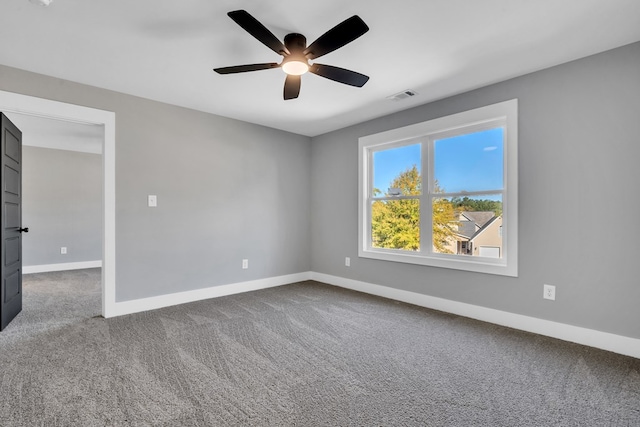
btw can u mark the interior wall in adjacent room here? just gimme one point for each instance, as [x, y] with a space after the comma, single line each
[61, 205]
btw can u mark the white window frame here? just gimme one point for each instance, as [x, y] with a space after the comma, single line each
[504, 113]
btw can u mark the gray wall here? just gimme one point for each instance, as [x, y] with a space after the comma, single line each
[227, 190]
[579, 147]
[61, 205]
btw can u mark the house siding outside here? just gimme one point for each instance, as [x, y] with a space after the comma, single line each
[489, 237]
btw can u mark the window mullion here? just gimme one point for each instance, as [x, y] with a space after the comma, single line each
[471, 193]
[426, 208]
[385, 198]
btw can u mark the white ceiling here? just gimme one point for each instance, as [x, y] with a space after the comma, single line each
[166, 50]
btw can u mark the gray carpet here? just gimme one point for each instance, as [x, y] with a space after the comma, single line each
[306, 354]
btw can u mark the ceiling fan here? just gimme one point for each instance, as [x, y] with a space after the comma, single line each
[297, 54]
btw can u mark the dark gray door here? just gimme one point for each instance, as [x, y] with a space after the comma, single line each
[11, 227]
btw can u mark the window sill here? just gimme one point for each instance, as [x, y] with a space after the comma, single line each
[456, 262]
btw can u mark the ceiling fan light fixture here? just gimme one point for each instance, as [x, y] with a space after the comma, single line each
[295, 67]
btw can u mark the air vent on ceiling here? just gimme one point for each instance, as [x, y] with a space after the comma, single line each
[402, 95]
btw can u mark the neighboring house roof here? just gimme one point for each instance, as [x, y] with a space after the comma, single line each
[480, 217]
[467, 228]
[473, 223]
[486, 225]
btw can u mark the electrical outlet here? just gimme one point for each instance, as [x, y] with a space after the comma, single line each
[245, 264]
[549, 292]
[347, 261]
[63, 250]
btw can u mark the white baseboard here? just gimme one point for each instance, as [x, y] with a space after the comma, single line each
[602, 340]
[589, 337]
[160, 301]
[44, 268]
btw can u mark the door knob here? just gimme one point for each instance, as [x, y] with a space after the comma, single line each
[23, 230]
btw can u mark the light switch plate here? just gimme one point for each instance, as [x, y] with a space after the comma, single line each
[152, 201]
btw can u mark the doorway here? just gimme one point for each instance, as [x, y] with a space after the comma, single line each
[38, 107]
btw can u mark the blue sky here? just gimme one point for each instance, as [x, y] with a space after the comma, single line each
[471, 162]
[388, 164]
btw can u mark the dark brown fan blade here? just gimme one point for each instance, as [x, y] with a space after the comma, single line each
[343, 33]
[257, 30]
[245, 68]
[292, 87]
[340, 75]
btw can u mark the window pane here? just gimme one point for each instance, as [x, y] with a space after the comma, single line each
[468, 226]
[470, 162]
[395, 224]
[397, 168]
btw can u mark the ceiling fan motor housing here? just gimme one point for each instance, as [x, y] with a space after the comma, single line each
[295, 42]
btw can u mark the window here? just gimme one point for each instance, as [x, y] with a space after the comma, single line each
[443, 192]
